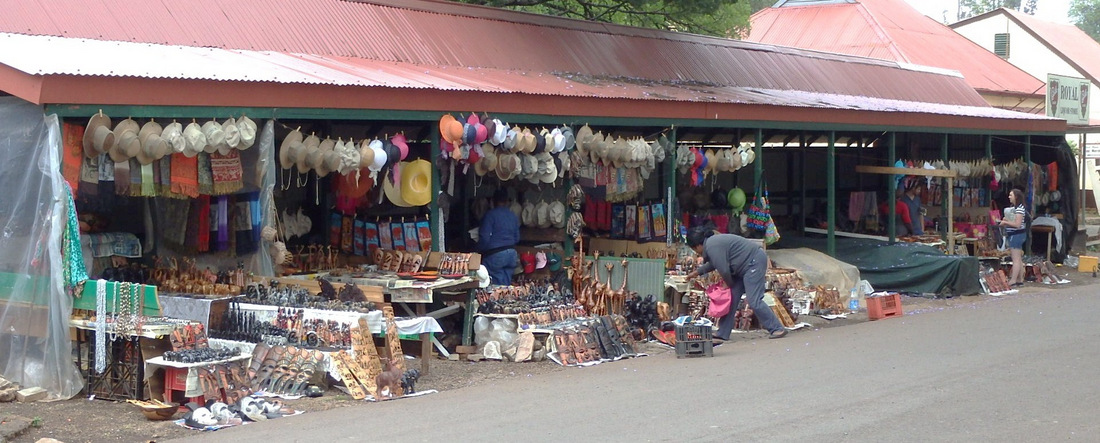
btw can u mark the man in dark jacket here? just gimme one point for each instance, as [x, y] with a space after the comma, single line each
[497, 238]
[742, 264]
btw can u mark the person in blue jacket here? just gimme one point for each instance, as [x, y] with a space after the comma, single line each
[497, 239]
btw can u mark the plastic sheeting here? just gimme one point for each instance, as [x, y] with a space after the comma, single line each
[911, 267]
[817, 268]
[35, 349]
[265, 168]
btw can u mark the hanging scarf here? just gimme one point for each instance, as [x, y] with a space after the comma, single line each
[206, 178]
[202, 224]
[184, 176]
[244, 223]
[164, 176]
[175, 221]
[227, 172]
[122, 172]
[75, 270]
[148, 186]
[89, 177]
[72, 155]
[219, 223]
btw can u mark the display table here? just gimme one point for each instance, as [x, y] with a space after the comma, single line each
[424, 326]
[184, 377]
[1049, 231]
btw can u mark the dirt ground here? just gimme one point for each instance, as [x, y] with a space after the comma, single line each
[82, 420]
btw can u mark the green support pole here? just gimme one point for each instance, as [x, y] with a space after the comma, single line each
[1027, 193]
[988, 147]
[670, 174]
[758, 164]
[802, 179]
[892, 188]
[436, 186]
[830, 177]
[947, 196]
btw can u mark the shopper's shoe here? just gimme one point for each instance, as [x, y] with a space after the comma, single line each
[778, 334]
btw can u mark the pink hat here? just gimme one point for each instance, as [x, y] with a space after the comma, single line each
[540, 260]
[402, 144]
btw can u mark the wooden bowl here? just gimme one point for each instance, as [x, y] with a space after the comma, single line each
[163, 413]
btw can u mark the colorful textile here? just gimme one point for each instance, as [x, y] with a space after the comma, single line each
[72, 154]
[184, 176]
[206, 178]
[75, 269]
[227, 172]
[244, 224]
[148, 181]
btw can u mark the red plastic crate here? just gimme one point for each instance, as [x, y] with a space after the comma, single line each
[884, 306]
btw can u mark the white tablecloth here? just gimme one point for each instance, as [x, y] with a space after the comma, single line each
[405, 326]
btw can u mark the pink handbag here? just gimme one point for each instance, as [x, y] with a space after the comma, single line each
[721, 297]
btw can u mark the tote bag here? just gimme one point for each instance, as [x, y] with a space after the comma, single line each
[721, 297]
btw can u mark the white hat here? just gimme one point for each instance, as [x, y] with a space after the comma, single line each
[516, 209]
[196, 140]
[542, 215]
[528, 216]
[558, 140]
[557, 214]
[173, 134]
[500, 132]
[215, 136]
[247, 129]
[483, 278]
[232, 134]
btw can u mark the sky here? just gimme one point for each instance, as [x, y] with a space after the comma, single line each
[1050, 10]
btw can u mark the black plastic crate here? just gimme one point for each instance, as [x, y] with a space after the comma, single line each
[693, 333]
[694, 348]
[124, 376]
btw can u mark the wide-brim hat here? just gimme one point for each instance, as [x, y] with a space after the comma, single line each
[750, 157]
[366, 154]
[508, 165]
[173, 134]
[584, 137]
[527, 141]
[392, 192]
[96, 141]
[599, 147]
[528, 217]
[295, 150]
[416, 182]
[569, 140]
[547, 169]
[516, 209]
[380, 156]
[301, 158]
[541, 141]
[285, 160]
[711, 162]
[483, 278]
[215, 136]
[126, 146]
[450, 129]
[232, 135]
[511, 138]
[500, 132]
[315, 160]
[354, 185]
[247, 129]
[736, 199]
[402, 144]
[153, 147]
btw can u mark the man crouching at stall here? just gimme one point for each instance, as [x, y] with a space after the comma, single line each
[742, 264]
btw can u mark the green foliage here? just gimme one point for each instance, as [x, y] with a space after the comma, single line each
[36, 422]
[970, 8]
[1086, 15]
[723, 18]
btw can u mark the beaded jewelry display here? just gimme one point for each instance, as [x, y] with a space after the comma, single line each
[100, 326]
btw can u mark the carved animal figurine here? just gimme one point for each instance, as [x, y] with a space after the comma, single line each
[408, 381]
[389, 381]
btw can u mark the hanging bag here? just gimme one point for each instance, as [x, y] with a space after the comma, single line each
[759, 212]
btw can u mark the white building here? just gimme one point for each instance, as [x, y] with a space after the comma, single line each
[1040, 48]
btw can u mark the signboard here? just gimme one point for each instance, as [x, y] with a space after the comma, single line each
[1068, 99]
[1092, 151]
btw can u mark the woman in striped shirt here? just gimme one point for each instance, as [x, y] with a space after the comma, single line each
[1016, 233]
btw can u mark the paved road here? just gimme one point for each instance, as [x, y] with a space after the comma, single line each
[1017, 368]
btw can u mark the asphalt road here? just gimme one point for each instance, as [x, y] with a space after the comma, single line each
[1015, 368]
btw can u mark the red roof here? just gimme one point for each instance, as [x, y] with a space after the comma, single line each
[890, 30]
[433, 55]
[1068, 41]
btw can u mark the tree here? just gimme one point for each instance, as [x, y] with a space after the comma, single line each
[1086, 15]
[723, 18]
[970, 8]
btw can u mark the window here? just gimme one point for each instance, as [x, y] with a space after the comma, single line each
[1001, 45]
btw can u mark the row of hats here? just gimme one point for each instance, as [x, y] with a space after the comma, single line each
[530, 261]
[310, 152]
[698, 199]
[461, 137]
[543, 167]
[620, 152]
[710, 161]
[150, 142]
[542, 214]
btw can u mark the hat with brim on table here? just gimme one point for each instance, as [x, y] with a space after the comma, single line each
[285, 160]
[215, 136]
[98, 137]
[392, 192]
[416, 183]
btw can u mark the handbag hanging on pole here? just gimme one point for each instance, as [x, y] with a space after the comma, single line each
[759, 212]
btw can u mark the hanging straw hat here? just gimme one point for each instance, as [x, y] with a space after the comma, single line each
[500, 133]
[127, 144]
[232, 136]
[285, 160]
[98, 137]
[215, 136]
[450, 129]
[416, 182]
[508, 166]
[153, 147]
[366, 154]
[247, 129]
[173, 134]
[392, 193]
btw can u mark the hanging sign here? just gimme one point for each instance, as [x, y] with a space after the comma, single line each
[1068, 99]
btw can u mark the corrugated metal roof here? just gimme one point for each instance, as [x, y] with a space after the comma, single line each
[58, 56]
[445, 34]
[890, 30]
[1076, 47]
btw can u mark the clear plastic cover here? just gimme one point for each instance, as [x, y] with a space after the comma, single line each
[265, 168]
[35, 349]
